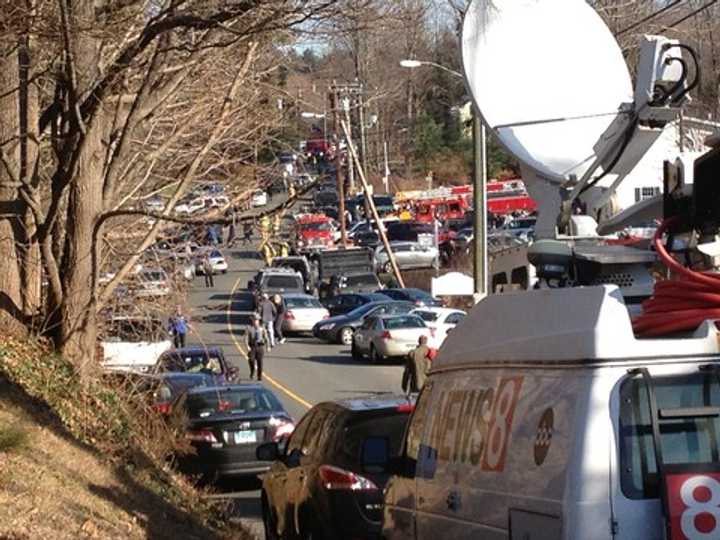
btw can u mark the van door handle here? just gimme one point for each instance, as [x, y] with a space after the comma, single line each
[453, 501]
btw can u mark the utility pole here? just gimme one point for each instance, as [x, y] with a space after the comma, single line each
[480, 255]
[361, 119]
[351, 165]
[335, 108]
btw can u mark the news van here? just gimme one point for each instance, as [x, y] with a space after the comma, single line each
[545, 418]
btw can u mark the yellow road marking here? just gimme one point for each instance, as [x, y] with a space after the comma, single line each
[240, 349]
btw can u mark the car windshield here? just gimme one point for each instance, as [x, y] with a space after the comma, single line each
[684, 440]
[317, 227]
[230, 401]
[360, 311]
[417, 294]
[154, 276]
[282, 282]
[192, 362]
[427, 316]
[216, 254]
[361, 279]
[409, 321]
[295, 303]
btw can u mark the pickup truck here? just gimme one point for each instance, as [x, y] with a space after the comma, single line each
[357, 282]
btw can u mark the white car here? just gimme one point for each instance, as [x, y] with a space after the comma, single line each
[259, 198]
[152, 283]
[133, 343]
[390, 336]
[217, 261]
[442, 320]
[190, 207]
[302, 312]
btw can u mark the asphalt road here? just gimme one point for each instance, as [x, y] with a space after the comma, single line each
[301, 372]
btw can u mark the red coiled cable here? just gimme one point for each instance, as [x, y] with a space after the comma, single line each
[679, 304]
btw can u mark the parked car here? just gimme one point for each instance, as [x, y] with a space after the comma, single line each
[464, 239]
[369, 239]
[259, 199]
[197, 359]
[407, 254]
[323, 482]
[132, 343]
[340, 329]
[326, 198]
[226, 424]
[522, 228]
[408, 231]
[344, 303]
[302, 312]
[417, 296]
[442, 320]
[390, 336]
[151, 283]
[154, 204]
[280, 281]
[217, 261]
[301, 265]
[165, 388]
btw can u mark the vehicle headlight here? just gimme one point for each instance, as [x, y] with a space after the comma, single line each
[326, 327]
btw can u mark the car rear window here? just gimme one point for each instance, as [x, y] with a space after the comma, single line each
[403, 322]
[283, 282]
[212, 402]
[192, 363]
[293, 303]
[391, 426]
[216, 254]
[684, 440]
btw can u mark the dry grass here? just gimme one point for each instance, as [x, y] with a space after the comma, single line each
[93, 463]
[12, 439]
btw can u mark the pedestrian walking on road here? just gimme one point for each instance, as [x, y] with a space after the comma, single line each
[279, 317]
[268, 313]
[247, 232]
[178, 327]
[257, 342]
[417, 366]
[208, 272]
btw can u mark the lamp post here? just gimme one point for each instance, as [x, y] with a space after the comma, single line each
[480, 253]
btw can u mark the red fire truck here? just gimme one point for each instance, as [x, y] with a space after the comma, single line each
[508, 196]
[314, 232]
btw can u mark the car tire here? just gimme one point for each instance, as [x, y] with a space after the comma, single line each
[387, 268]
[268, 522]
[375, 357]
[356, 354]
[345, 336]
[224, 271]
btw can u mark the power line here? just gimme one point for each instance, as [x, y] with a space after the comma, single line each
[692, 14]
[649, 17]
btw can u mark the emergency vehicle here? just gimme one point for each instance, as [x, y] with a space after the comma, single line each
[314, 232]
[508, 196]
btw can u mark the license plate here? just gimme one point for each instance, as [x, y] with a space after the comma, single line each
[245, 437]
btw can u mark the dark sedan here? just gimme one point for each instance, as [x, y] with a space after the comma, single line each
[325, 482]
[346, 302]
[197, 359]
[417, 296]
[340, 329]
[226, 424]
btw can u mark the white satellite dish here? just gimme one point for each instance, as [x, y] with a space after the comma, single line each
[548, 78]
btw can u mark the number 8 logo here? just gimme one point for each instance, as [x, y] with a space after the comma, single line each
[701, 519]
[501, 423]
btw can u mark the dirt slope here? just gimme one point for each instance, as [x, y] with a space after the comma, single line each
[51, 486]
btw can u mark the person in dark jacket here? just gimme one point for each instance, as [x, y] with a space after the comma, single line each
[279, 317]
[257, 343]
[178, 326]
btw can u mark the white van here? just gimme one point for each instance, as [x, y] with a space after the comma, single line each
[541, 420]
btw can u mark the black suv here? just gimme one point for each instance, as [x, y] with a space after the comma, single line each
[326, 471]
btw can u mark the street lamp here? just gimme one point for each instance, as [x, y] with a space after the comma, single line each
[480, 254]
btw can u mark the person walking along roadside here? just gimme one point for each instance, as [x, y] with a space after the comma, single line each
[267, 316]
[257, 341]
[417, 366]
[178, 327]
[208, 272]
[279, 317]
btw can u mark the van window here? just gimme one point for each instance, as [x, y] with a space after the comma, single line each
[685, 440]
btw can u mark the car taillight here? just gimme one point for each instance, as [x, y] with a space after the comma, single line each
[289, 316]
[162, 408]
[202, 435]
[418, 302]
[334, 478]
[386, 335]
[405, 408]
[432, 332]
[281, 427]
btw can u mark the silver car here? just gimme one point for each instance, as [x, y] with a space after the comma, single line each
[390, 336]
[302, 312]
[407, 254]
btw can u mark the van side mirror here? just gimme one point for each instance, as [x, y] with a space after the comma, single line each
[268, 452]
[375, 456]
